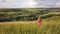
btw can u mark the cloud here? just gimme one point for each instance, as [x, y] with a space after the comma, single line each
[18, 3]
[41, 6]
[0, 0]
[2, 4]
[29, 3]
[58, 4]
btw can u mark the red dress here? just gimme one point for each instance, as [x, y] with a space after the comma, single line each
[39, 22]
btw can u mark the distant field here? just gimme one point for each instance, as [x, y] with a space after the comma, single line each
[49, 26]
[27, 14]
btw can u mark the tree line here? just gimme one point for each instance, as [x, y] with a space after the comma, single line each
[24, 14]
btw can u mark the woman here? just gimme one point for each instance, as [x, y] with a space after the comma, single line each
[39, 22]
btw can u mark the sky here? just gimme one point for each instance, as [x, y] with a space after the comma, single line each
[29, 3]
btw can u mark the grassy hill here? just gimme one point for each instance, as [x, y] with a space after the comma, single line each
[49, 26]
[24, 21]
[27, 14]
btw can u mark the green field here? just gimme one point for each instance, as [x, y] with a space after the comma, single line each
[27, 14]
[49, 26]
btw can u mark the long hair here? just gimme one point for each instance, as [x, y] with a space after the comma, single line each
[39, 21]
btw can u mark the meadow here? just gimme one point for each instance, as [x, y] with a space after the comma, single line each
[49, 26]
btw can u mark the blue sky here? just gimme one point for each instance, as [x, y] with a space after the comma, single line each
[29, 3]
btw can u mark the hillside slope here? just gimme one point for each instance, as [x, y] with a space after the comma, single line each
[25, 14]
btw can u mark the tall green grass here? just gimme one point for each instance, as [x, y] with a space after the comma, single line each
[49, 26]
[29, 29]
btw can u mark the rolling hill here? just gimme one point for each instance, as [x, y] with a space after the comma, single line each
[25, 14]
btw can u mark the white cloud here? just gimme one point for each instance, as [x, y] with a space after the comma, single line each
[17, 3]
[29, 3]
[0, 0]
[2, 4]
[58, 4]
[41, 6]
